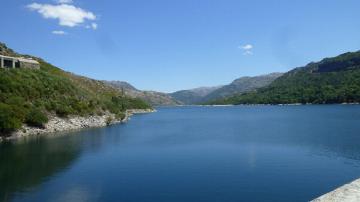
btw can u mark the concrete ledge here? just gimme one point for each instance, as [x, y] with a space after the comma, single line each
[347, 193]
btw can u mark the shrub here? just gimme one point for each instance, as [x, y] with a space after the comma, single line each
[120, 116]
[63, 111]
[36, 118]
[8, 120]
[18, 107]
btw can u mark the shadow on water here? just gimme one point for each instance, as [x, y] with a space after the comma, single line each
[31, 161]
[25, 165]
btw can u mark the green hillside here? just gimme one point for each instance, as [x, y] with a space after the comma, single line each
[205, 94]
[192, 96]
[332, 80]
[30, 96]
[242, 85]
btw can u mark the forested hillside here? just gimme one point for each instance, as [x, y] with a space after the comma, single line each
[332, 80]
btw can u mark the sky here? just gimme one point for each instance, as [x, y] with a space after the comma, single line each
[169, 45]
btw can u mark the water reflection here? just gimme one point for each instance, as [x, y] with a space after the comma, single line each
[28, 162]
[26, 165]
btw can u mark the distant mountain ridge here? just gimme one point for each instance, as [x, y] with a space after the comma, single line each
[193, 96]
[332, 80]
[196, 95]
[242, 85]
[152, 97]
[238, 86]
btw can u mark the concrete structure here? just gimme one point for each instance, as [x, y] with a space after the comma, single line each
[18, 62]
[347, 193]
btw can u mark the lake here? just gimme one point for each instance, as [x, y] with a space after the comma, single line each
[192, 154]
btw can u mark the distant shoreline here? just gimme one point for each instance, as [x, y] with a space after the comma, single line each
[73, 123]
[290, 104]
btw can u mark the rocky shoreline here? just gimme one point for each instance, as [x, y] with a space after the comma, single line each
[57, 124]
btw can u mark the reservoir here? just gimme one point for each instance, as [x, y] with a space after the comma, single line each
[192, 154]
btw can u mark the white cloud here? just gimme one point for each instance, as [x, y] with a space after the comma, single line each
[247, 49]
[94, 25]
[64, 1]
[247, 52]
[68, 15]
[59, 32]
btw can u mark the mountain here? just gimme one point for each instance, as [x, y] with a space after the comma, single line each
[193, 96]
[152, 97]
[121, 85]
[240, 85]
[32, 95]
[332, 80]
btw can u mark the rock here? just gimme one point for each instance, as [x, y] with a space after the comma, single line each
[57, 124]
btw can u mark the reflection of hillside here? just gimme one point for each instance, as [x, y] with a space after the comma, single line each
[25, 165]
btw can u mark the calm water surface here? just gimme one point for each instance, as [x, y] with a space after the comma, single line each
[242, 153]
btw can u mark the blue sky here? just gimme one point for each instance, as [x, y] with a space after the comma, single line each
[168, 45]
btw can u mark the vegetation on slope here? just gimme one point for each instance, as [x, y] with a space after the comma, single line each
[242, 85]
[29, 96]
[332, 80]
